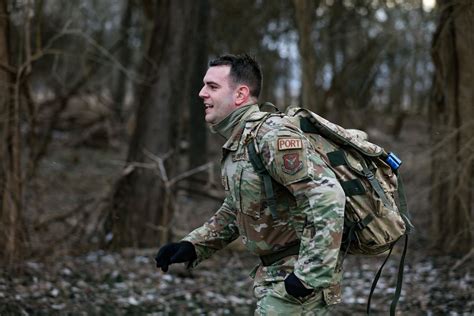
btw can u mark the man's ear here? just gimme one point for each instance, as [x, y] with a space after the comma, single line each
[242, 95]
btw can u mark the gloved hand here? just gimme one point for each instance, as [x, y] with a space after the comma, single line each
[295, 288]
[174, 253]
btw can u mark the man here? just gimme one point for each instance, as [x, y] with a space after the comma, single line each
[300, 272]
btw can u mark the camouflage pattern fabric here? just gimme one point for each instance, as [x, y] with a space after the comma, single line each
[354, 137]
[388, 222]
[310, 207]
[275, 301]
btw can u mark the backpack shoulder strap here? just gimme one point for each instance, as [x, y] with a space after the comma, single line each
[259, 166]
[404, 212]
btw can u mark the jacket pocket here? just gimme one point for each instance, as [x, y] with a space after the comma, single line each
[332, 294]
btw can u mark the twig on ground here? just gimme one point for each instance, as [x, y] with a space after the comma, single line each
[462, 261]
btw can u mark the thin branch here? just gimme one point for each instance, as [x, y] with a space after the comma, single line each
[63, 99]
[27, 32]
[160, 162]
[198, 192]
[155, 158]
[105, 52]
[8, 68]
[62, 217]
[191, 172]
[160, 228]
[462, 261]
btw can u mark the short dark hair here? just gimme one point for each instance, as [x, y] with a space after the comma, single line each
[243, 69]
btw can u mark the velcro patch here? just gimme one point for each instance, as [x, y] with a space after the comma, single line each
[291, 163]
[289, 143]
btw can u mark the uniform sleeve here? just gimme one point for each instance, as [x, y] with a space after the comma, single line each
[320, 201]
[215, 234]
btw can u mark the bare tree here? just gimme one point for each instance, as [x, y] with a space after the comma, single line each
[125, 56]
[142, 206]
[197, 126]
[452, 125]
[305, 14]
[12, 231]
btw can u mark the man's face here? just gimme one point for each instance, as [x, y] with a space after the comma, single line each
[218, 94]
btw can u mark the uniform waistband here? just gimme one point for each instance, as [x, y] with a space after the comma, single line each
[268, 260]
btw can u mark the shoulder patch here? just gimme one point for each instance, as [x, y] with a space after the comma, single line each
[291, 163]
[285, 143]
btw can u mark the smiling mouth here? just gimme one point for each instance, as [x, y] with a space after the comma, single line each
[208, 106]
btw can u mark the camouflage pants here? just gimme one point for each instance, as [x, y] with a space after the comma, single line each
[272, 299]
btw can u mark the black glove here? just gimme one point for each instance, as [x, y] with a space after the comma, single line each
[174, 253]
[295, 288]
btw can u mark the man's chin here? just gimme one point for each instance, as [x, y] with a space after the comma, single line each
[209, 119]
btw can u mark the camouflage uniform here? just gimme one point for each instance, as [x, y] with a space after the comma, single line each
[310, 208]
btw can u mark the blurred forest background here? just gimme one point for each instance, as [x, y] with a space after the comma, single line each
[105, 154]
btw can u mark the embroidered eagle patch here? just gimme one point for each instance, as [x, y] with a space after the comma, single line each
[291, 163]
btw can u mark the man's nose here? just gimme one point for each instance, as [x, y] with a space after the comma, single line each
[203, 93]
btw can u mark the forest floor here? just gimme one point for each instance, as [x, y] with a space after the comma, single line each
[75, 181]
[127, 283]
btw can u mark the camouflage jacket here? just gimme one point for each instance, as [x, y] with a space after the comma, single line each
[310, 203]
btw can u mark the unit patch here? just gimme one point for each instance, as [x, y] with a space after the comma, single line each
[289, 143]
[291, 163]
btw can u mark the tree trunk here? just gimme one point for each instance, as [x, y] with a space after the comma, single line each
[197, 125]
[125, 57]
[305, 14]
[12, 231]
[452, 126]
[142, 207]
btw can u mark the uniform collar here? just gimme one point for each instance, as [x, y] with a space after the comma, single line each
[233, 141]
[227, 125]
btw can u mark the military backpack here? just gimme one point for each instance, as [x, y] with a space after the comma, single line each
[376, 214]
